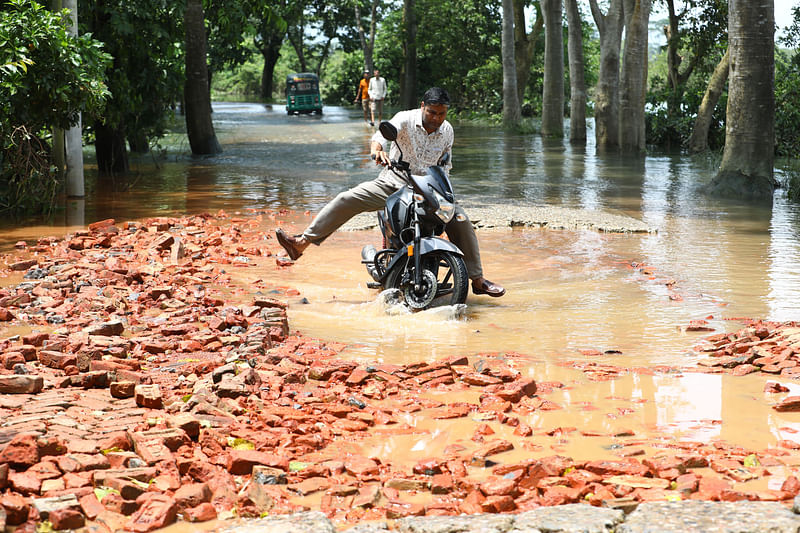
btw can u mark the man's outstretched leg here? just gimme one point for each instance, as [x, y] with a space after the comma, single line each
[367, 196]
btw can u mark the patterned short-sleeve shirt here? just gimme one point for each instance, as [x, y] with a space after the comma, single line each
[420, 148]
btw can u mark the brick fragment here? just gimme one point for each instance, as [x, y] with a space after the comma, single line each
[24, 264]
[16, 507]
[21, 384]
[241, 462]
[91, 506]
[22, 452]
[191, 495]
[202, 513]
[442, 484]
[148, 396]
[157, 511]
[24, 482]
[151, 449]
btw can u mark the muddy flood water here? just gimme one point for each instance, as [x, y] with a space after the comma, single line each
[575, 297]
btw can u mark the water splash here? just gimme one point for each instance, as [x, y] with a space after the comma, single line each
[391, 303]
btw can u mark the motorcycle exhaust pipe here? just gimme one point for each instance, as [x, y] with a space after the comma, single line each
[368, 258]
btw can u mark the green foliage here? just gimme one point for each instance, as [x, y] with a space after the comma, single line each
[787, 94]
[460, 51]
[340, 74]
[387, 55]
[449, 47]
[245, 80]
[340, 77]
[47, 77]
[671, 114]
[483, 88]
[672, 105]
[787, 99]
[145, 39]
[28, 181]
[791, 181]
[229, 24]
[591, 56]
[670, 129]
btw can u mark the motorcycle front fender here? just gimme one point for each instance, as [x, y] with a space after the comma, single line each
[426, 246]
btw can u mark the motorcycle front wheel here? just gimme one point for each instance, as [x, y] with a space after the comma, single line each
[444, 281]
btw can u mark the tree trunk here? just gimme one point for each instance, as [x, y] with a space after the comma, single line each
[673, 43]
[199, 128]
[553, 86]
[367, 41]
[677, 78]
[606, 100]
[525, 44]
[271, 51]
[109, 146]
[138, 142]
[408, 75]
[746, 171]
[59, 157]
[323, 58]
[698, 142]
[512, 114]
[577, 88]
[58, 143]
[296, 38]
[633, 87]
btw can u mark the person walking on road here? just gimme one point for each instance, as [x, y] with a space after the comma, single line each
[377, 93]
[424, 136]
[362, 95]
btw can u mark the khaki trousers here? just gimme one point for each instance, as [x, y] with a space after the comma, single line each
[371, 196]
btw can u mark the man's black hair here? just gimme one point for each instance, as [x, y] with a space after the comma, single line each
[436, 96]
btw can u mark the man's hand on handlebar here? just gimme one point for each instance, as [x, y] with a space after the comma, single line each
[381, 158]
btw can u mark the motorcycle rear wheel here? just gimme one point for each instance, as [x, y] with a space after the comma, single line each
[451, 285]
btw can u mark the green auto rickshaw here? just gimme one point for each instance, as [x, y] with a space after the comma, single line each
[302, 93]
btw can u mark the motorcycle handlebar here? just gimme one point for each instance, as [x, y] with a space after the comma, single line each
[393, 164]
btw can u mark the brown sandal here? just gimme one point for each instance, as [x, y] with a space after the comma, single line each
[288, 244]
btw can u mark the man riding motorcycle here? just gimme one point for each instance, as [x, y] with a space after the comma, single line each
[424, 136]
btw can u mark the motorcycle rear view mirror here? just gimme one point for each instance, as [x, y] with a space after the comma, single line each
[388, 130]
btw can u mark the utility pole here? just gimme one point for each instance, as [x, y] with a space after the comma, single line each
[73, 137]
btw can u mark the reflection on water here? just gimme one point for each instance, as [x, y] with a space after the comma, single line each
[690, 407]
[781, 265]
[598, 419]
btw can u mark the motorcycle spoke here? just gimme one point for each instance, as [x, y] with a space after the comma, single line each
[446, 281]
[444, 291]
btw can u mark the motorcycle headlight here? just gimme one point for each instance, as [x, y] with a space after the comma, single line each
[446, 209]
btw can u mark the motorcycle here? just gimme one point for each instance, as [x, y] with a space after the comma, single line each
[427, 270]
